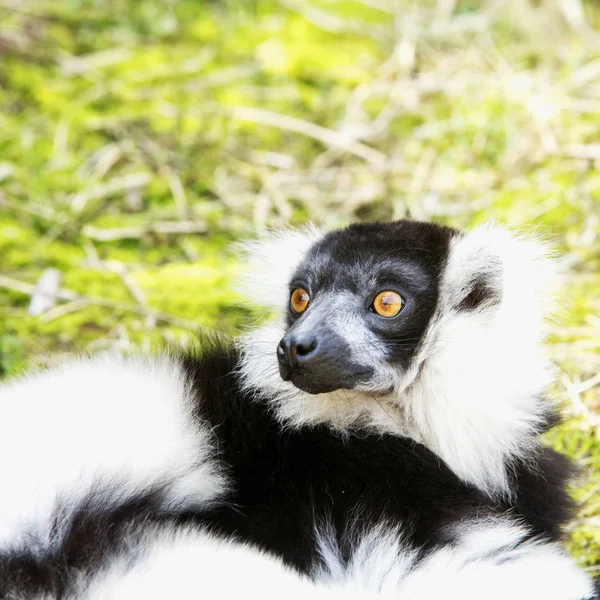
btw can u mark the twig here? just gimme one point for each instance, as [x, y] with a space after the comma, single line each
[78, 65]
[44, 294]
[138, 231]
[589, 151]
[385, 7]
[39, 210]
[329, 137]
[585, 74]
[64, 309]
[588, 384]
[573, 391]
[329, 22]
[101, 161]
[222, 77]
[114, 186]
[575, 16]
[69, 295]
[181, 203]
[134, 289]
[119, 269]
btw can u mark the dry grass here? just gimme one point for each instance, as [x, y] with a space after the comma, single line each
[139, 140]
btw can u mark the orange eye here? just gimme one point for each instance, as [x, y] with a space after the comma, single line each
[388, 304]
[299, 300]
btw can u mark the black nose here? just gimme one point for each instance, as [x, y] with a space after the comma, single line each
[293, 351]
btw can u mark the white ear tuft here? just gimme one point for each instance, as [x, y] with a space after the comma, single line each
[490, 266]
[271, 260]
[482, 371]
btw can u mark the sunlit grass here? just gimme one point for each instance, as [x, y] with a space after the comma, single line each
[139, 139]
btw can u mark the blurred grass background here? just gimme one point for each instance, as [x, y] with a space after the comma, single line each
[139, 139]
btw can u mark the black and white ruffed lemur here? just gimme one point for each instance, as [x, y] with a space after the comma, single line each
[379, 439]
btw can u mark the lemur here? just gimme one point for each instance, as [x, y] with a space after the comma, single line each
[380, 437]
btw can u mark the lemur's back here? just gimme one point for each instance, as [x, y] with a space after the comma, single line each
[144, 456]
[290, 483]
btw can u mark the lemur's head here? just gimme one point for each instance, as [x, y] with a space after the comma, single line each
[360, 302]
[406, 327]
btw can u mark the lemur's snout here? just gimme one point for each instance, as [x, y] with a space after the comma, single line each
[316, 360]
[294, 351]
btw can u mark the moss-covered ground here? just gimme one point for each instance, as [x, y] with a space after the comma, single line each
[140, 139]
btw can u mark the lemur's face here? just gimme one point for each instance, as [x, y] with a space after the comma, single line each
[359, 306]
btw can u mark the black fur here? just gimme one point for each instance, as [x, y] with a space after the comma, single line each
[90, 532]
[288, 482]
[481, 293]
[286, 485]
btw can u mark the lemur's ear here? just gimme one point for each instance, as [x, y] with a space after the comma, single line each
[271, 260]
[491, 267]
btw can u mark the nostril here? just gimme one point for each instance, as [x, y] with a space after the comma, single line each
[282, 351]
[305, 348]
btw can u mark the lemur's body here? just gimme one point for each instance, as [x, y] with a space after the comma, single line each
[122, 477]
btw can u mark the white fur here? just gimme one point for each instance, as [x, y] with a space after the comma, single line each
[488, 560]
[380, 559]
[120, 425]
[473, 392]
[476, 400]
[271, 262]
[189, 564]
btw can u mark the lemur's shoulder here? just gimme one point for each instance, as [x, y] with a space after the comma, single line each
[541, 496]
[211, 367]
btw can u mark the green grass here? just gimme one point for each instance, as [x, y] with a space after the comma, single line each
[125, 124]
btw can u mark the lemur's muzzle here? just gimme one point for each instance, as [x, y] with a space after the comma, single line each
[294, 351]
[318, 361]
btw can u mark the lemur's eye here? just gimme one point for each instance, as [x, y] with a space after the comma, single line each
[388, 304]
[299, 300]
